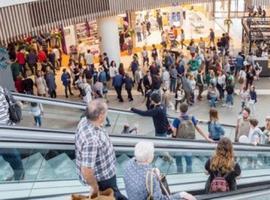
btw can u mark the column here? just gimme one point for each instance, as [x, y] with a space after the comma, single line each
[109, 38]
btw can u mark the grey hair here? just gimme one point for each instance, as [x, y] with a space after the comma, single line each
[96, 108]
[144, 151]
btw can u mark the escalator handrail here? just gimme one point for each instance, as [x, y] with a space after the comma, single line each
[14, 133]
[80, 105]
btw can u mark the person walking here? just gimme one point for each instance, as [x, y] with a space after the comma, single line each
[139, 80]
[50, 80]
[252, 100]
[128, 85]
[37, 111]
[95, 155]
[66, 80]
[118, 83]
[40, 84]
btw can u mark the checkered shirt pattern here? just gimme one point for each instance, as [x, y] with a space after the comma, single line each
[94, 149]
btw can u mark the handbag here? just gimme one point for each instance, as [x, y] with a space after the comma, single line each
[102, 195]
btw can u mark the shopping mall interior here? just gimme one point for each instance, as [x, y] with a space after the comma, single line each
[95, 95]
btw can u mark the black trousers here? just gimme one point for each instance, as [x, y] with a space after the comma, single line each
[53, 94]
[129, 94]
[119, 91]
[68, 88]
[111, 183]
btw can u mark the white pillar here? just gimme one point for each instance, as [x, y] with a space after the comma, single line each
[109, 38]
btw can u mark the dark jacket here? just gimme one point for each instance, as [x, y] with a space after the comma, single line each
[158, 113]
[128, 83]
[253, 96]
[118, 80]
[65, 78]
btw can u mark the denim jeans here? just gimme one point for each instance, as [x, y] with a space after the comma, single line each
[13, 157]
[111, 183]
[37, 120]
[229, 99]
[213, 102]
[179, 163]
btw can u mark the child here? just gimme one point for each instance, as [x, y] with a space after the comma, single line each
[37, 110]
[252, 99]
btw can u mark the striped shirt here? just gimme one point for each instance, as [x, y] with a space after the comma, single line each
[4, 114]
[94, 149]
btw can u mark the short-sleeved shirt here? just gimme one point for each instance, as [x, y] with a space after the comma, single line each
[94, 149]
[177, 121]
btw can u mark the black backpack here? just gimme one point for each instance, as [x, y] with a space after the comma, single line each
[15, 111]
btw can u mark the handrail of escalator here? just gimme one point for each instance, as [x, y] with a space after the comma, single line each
[14, 133]
[79, 105]
[247, 189]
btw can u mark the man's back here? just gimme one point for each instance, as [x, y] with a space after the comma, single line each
[4, 113]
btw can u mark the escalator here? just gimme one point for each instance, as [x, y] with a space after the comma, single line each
[65, 115]
[47, 157]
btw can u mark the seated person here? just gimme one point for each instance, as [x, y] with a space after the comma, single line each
[137, 170]
[222, 168]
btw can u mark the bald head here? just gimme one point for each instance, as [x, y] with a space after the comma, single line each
[96, 109]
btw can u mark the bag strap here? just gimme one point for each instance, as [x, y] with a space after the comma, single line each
[149, 190]
[164, 189]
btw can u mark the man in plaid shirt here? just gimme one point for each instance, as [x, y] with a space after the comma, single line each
[95, 156]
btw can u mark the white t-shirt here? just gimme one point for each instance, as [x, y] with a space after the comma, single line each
[89, 58]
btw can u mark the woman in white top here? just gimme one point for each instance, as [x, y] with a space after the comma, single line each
[244, 95]
[40, 84]
[242, 78]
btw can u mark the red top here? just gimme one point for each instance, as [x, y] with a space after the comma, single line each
[20, 57]
[42, 56]
[19, 85]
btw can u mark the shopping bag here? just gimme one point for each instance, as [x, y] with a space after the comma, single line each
[103, 195]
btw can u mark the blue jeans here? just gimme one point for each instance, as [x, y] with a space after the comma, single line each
[37, 120]
[13, 157]
[229, 99]
[213, 102]
[179, 163]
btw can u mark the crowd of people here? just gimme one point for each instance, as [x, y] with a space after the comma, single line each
[168, 79]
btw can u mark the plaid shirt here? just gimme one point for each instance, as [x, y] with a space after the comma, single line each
[94, 150]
